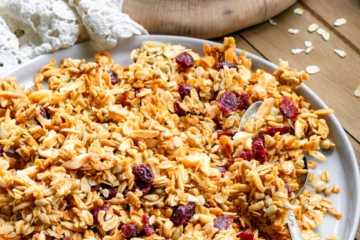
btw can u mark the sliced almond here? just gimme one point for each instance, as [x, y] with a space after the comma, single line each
[313, 27]
[339, 52]
[293, 31]
[312, 69]
[298, 11]
[339, 22]
[297, 50]
[308, 50]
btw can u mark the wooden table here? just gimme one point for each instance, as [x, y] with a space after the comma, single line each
[336, 82]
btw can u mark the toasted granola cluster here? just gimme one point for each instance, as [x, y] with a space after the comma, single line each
[153, 150]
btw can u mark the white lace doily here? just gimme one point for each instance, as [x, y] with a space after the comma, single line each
[29, 28]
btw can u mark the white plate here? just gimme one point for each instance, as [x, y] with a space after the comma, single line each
[341, 162]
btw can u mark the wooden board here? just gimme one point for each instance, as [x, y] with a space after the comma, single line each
[329, 11]
[339, 77]
[201, 18]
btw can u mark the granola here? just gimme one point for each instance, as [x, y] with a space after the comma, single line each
[106, 151]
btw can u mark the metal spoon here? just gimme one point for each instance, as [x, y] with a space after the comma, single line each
[302, 179]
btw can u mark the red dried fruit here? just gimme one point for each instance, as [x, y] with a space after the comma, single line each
[260, 136]
[95, 213]
[243, 101]
[184, 89]
[136, 91]
[259, 151]
[62, 119]
[228, 102]
[282, 130]
[226, 133]
[288, 108]
[128, 230]
[222, 222]
[95, 188]
[113, 77]
[221, 65]
[246, 235]
[66, 238]
[144, 178]
[44, 113]
[183, 214]
[246, 155]
[185, 60]
[207, 204]
[289, 190]
[178, 110]
[148, 229]
[112, 190]
[222, 171]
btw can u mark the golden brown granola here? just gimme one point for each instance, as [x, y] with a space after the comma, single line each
[68, 151]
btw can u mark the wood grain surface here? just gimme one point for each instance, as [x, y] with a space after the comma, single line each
[201, 18]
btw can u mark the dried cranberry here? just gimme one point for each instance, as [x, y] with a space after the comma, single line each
[44, 113]
[112, 190]
[184, 89]
[183, 214]
[125, 192]
[226, 133]
[288, 108]
[62, 119]
[128, 230]
[207, 204]
[136, 91]
[185, 60]
[178, 110]
[246, 235]
[282, 130]
[95, 188]
[259, 136]
[113, 77]
[246, 155]
[148, 229]
[66, 238]
[222, 170]
[96, 211]
[244, 98]
[222, 222]
[1, 150]
[228, 102]
[221, 65]
[144, 178]
[289, 190]
[259, 151]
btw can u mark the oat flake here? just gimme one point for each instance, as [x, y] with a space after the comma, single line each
[308, 44]
[326, 36]
[293, 31]
[320, 31]
[297, 50]
[298, 11]
[312, 69]
[313, 27]
[357, 92]
[272, 22]
[339, 22]
[339, 52]
[309, 49]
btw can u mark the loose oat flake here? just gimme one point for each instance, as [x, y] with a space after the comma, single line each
[312, 69]
[339, 52]
[293, 31]
[320, 31]
[340, 22]
[297, 50]
[312, 27]
[152, 150]
[298, 11]
[308, 50]
[272, 22]
[325, 35]
[357, 91]
[308, 44]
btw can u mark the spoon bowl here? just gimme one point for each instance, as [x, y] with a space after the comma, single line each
[302, 179]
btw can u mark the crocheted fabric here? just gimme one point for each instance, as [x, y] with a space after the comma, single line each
[29, 28]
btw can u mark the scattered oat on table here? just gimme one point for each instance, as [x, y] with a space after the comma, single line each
[312, 69]
[357, 91]
[339, 52]
[339, 22]
[313, 27]
[308, 44]
[320, 31]
[325, 35]
[298, 11]
[309, 49]
[293, 31]
[272, 22]
[297, 50]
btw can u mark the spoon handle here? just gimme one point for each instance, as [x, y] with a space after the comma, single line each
[293, 227]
